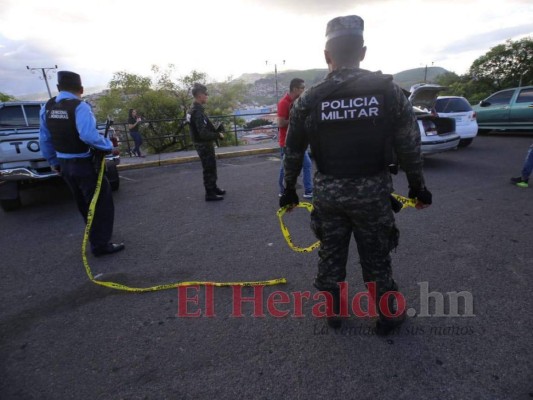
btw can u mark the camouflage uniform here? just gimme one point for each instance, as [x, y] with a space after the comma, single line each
[361, 205]
[203, 134]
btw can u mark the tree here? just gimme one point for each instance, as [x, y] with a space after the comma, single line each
[6, 97]
[505, 64]
[257, 122]
[163, 101]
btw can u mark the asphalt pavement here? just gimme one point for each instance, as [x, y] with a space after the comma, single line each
[464, 266]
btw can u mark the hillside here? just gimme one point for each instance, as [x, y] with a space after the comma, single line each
[263, 87]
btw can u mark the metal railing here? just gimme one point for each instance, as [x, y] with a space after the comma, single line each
[173, 134]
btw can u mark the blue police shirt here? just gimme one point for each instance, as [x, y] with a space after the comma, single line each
[86, 125]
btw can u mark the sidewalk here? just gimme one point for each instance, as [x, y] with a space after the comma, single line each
[156, 160]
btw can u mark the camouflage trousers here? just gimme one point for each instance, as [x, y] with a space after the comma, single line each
[206, 152]
[360, 207]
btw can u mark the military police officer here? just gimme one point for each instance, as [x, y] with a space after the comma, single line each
[203, 134]
[355, 121]
[68, 139]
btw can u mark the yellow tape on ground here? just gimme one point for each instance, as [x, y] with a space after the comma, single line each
[281, 212]
[406, 202]
[118, 286]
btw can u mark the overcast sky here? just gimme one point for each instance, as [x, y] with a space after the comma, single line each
[230, 37]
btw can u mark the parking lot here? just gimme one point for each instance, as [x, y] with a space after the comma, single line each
[63, 337]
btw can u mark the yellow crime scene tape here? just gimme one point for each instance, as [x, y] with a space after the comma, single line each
[281, 212]
[406, 202]
[119, 286]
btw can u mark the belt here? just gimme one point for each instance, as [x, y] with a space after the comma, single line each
[76, 160]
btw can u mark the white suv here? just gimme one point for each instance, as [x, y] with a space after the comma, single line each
[459, 108]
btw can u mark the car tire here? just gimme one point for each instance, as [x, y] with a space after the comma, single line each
[10, 204]
[113, 177]
[465, 142]
[483, 131]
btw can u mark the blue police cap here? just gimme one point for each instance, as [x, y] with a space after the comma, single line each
[349, 25]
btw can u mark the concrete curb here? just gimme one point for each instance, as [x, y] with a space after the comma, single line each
[187, 159]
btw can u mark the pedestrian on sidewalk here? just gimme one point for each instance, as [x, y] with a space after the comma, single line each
[296, 88]
[134, 120]
[204, 134]
[523, 179]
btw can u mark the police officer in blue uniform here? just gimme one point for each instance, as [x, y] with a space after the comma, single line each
[69, 140]
[355, 121]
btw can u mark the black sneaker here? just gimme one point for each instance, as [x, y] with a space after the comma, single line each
[220, 192]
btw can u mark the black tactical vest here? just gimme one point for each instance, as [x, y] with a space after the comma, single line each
[352, 135]
[61, 122]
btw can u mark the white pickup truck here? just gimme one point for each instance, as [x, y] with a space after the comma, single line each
[21, 160]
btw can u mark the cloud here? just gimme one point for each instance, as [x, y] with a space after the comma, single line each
[15, 56]
[487, 39]
[320, 7]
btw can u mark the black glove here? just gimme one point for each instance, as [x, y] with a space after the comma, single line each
[289, 197]
[422, 195]
[395, 204]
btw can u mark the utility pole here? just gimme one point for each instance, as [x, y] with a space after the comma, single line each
[426, 72]
[44, 70]
[521, 76]
[276, 78]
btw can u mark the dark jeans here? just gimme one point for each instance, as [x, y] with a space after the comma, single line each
[138, 140]
[81, 177]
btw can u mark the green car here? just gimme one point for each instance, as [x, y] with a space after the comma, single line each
[509, 109]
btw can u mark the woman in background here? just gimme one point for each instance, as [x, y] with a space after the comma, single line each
[134, 121]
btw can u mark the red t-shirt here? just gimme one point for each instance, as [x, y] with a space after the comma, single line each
[284, 108]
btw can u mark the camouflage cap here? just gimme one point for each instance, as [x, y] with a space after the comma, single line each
[349, 25]
[68, 79]
[198, 88]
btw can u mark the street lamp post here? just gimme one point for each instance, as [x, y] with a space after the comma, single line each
[276, 78]
[44, 71]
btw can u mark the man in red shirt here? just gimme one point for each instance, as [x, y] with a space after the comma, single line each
[296, 88]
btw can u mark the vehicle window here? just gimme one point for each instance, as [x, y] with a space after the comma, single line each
[12, 116]
[32, 113]
[452, 105]
[525, 96]
[501, 97]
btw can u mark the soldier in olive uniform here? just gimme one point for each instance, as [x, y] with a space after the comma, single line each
[203, 135]
[355, 121]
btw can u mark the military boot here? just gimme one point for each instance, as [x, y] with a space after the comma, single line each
[213, 196]
[335, 322]
[386, 323]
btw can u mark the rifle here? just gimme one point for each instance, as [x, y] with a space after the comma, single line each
[100, 154]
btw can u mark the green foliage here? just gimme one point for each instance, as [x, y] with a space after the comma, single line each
[163, 101]
[225, 97]
[504, 64]
[257, 122]
[6, 97]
